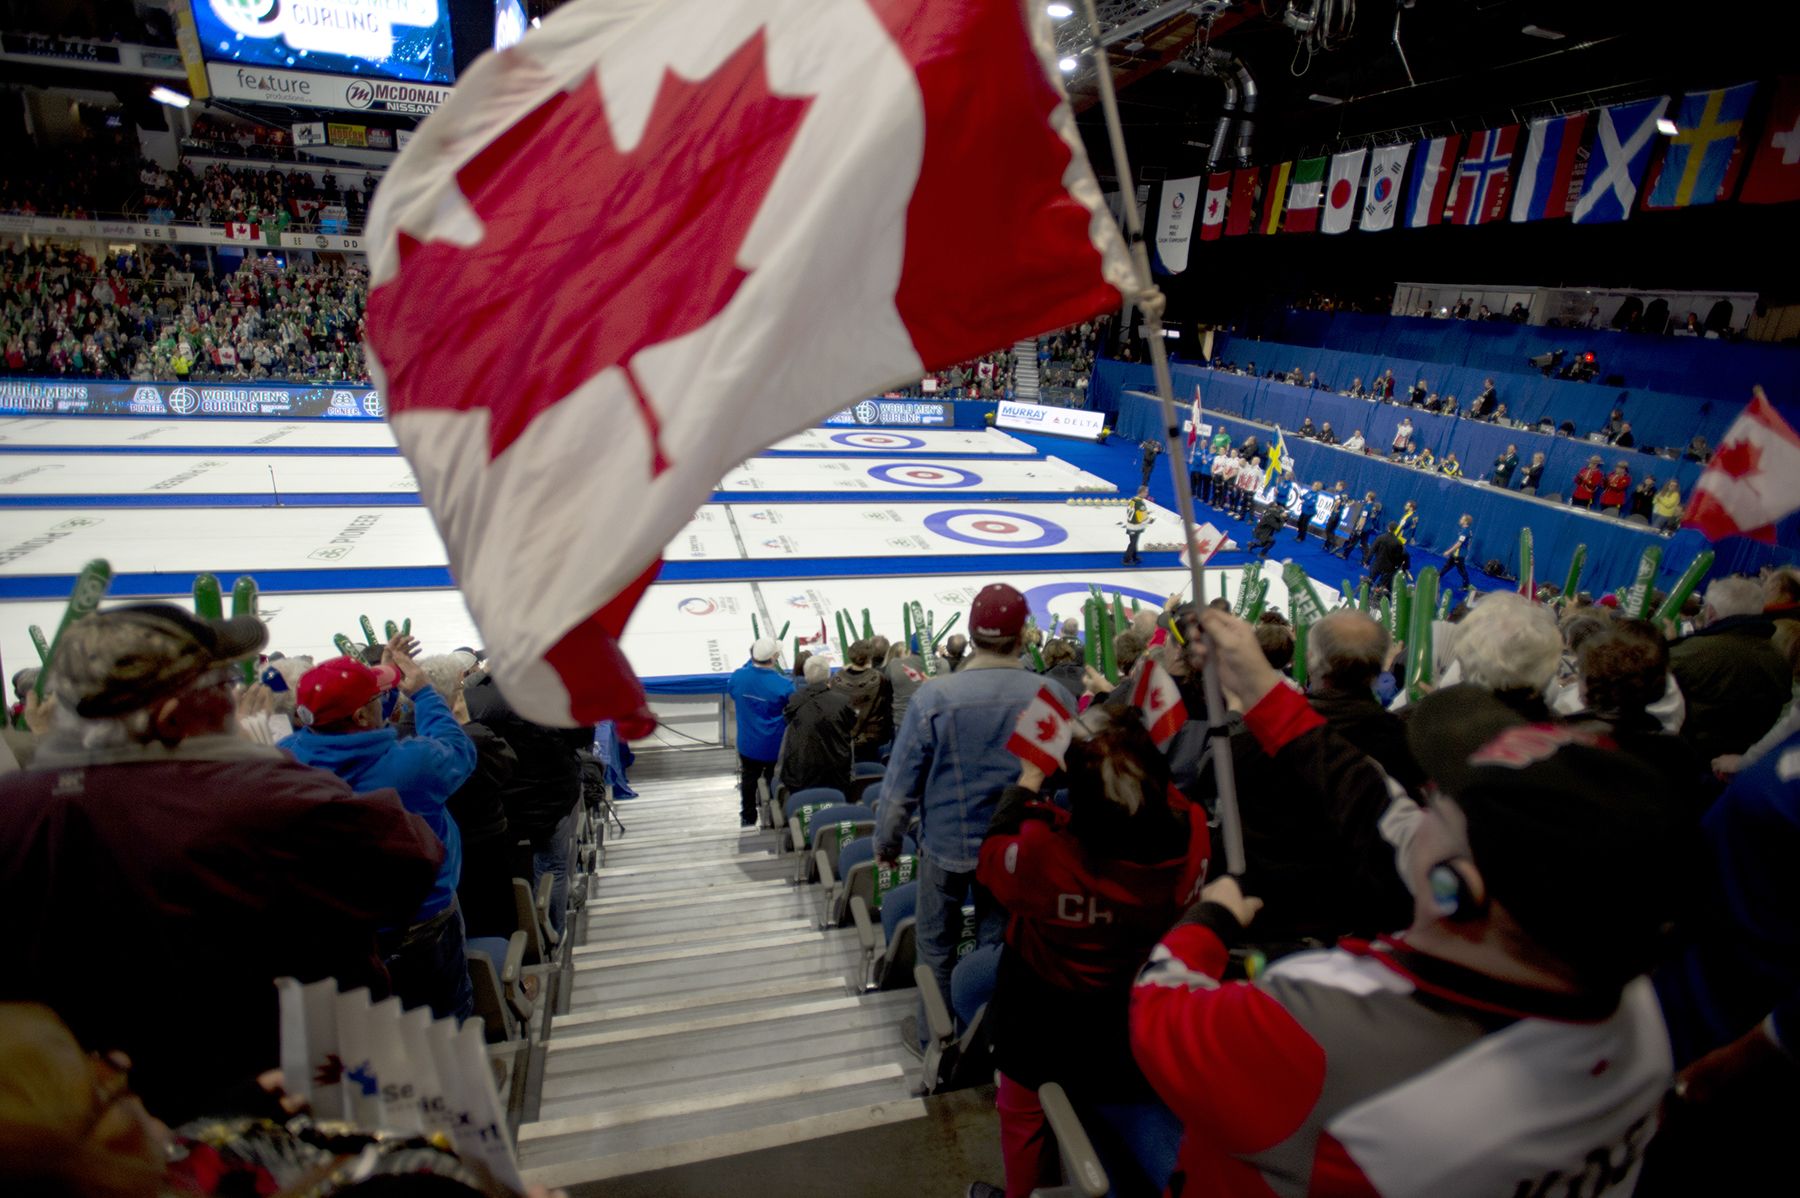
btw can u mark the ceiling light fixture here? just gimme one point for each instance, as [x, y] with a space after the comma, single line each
[1316, 98]
[1666, 127]
[172, 98]
[1059, 12]
[1067, 65]
[1549, 35]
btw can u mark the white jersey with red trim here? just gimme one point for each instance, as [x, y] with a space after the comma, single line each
[1375, 1069]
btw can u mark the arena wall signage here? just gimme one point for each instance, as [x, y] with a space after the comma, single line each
[1041, 418]
[34, 397]
[309, 89]
[109, 230]
[891, 411]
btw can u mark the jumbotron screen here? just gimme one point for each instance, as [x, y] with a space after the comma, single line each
[381, 39]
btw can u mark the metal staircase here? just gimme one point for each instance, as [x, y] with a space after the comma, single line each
[708, 1015]
[1025, 370]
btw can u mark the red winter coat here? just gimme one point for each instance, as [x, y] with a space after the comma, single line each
[1588, 480]
[1618, 483]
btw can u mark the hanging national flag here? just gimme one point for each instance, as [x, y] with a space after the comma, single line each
[632, 219]
[1196, 414]
[1241, 213]
[1701, 161]
[1774, 176]
[1275, 198]
[1043, 732]
[1340, 191]
[1434, 169]
[1623, 137]
[1305, 189]
[1156, 695]
[1485, 176]
[1547, 170]
[242, 231]
[1175, 223]
[1212, 220]
[1381, 198]
[1753, 480]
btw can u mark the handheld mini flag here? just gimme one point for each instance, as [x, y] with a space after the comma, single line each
[1753, 480]
[631, 221]
[1156, 695]
[1043, 732]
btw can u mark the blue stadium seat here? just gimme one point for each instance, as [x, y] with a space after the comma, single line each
[972, 982]
[867, 769]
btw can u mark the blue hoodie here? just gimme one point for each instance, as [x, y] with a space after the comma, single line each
[425, 769]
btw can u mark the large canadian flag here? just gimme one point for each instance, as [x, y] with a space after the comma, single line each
[1753, 480]
[656, 236]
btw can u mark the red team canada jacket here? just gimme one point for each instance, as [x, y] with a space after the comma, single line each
[1374, 1069]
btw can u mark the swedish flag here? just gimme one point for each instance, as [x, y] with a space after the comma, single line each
[1278, 458]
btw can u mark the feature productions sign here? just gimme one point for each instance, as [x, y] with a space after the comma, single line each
[309, 89]
[1041, 418]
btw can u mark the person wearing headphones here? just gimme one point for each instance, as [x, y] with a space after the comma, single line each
[1507, 1041]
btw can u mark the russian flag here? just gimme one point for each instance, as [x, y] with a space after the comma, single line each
[1434, 169]
[1547, 169]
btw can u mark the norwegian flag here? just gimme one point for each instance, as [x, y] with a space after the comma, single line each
[1485, 178]
[1753, 480]
[1043, 732]
[641, 216]
[1157, 696]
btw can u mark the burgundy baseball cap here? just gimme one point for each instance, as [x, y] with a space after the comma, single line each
[335, 690]
[999, 610]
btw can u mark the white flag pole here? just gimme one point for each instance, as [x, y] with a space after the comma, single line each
[1150, 300]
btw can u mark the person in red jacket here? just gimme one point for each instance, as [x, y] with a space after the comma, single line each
[1088, 891]
[1507, 1043]
[1588, 481]
[1618, 487]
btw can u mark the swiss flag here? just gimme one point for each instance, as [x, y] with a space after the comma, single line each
[1043, 732]
[1156, 695]
[604, 271]
[1753, 480]
[240, 231]
[1774, 176]
[1212, 216]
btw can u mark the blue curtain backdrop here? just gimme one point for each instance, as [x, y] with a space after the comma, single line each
[1614, 546]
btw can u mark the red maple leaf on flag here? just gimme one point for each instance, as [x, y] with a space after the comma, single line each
[1738, 459]
[588, 255]
[1046, 730]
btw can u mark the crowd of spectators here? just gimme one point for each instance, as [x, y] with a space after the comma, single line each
[155, 315]
[358, 818]
[1561, 872]
[271, 198]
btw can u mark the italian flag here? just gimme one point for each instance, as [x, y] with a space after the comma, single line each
[1304, 194]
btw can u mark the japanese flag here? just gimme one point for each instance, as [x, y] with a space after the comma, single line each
[1753, 480]
[650, 239]
[1157, 696]
[1043, 732]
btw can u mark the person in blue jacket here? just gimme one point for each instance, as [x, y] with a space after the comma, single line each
[759, 691]
[339, 704]
[1309, 507]
[1458, 554]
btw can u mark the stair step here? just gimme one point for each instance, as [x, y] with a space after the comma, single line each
[682, 952]
[637, 983]
[676, 1006]
[597, 948]
[578, 1094]
[724, 1144]
[704, 1023]
[734, 892]
[790, 902]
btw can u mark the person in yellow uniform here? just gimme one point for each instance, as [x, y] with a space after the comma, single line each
[1137, 519]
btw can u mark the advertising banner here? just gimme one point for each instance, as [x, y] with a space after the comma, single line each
[310, 89]
[890, 411]
[1038, 418]
[36, 397]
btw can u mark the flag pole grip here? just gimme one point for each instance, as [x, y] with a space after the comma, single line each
[1152, 302]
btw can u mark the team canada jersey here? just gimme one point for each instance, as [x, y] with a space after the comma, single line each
[1373, 1069]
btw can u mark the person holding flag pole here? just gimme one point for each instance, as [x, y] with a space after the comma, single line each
[1151, 302]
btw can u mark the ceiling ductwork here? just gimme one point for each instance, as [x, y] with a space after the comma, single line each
[1235, 133]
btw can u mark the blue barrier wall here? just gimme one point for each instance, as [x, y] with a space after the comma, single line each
[1723, 370]
[1614, 546]
[46, 397]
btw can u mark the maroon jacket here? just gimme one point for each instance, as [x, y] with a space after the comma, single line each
[152, 899]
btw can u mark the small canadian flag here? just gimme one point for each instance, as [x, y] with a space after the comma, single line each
[1753, 480]
[1207, 541]
[1043, 732]
[1157, 696]
[242, 231]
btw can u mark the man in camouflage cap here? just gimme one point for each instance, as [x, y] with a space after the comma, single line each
[172, 870]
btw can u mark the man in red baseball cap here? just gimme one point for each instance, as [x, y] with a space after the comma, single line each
[949, 765]
[339, 704]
